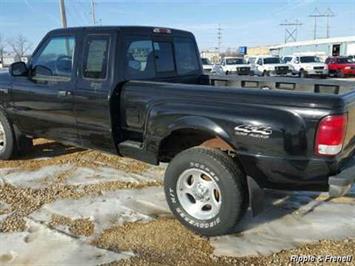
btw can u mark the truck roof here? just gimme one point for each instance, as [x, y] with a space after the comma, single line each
[131, 29]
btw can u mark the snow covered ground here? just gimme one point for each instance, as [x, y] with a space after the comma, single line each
[289, 219]
[40, 245]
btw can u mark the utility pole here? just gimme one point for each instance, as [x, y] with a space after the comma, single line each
[93, 11]
[316, 14]
[291, 29]
[62, 13]
[329, 14]
[219, 38]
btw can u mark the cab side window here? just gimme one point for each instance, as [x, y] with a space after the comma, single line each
[187, 61]
[260, 61]
[96, 57]
[55, 59]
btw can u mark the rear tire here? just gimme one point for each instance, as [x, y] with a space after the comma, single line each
[206, 191]
[7, 139]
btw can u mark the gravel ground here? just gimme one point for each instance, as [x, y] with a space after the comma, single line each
[169, 243]
[159, 242]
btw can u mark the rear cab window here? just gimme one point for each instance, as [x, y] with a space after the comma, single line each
[155, 57]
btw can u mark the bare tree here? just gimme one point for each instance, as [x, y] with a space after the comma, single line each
[20, 46]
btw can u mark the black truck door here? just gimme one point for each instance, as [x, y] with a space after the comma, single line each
[92, 92]
[42, 103]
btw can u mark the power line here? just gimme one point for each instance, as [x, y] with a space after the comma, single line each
[291, 29]
[62, 13]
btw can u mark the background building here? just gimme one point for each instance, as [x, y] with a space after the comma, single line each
[322, 47]
[259, 50]
[213, 56]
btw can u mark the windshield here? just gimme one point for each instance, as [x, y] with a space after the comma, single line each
[272, 60]
[287, 59]
[251, 60]
[205, 61]
[235, 61]
[309, 59]
[343, 60]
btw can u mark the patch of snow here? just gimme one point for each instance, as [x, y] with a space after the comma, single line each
[289, 221]
[112, 208]
[42, 246]
[85, 176]
[35, 179]
[4, 210]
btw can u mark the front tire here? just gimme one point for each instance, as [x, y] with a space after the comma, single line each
[265, 73]
[206, 191]
[303, 74]
[340, 74]
[7, 139]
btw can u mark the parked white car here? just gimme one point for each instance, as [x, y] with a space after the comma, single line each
[234, 65]
[308, 65]
[271, 66]
[206, 65]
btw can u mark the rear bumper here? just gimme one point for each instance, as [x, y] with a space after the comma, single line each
[341, 183]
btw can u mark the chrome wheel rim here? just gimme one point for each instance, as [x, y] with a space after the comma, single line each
[199, 194]
[2, 138]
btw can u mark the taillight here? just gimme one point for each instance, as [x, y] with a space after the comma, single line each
[330, 135]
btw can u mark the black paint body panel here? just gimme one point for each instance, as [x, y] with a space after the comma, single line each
[146, 112]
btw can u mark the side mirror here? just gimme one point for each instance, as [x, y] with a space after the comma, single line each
[18, 69]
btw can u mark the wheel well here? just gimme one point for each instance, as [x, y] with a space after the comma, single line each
[183, 139]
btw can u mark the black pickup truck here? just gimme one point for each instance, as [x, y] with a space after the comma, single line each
[140, 92]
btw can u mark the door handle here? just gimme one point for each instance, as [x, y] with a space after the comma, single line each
[64, 93]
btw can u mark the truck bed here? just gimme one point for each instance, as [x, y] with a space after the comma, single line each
[329, 86]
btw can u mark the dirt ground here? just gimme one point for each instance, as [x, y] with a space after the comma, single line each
[162, 241]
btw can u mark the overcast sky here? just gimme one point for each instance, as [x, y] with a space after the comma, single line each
[247, 22]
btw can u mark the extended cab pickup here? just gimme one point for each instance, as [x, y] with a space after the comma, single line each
[140, 92]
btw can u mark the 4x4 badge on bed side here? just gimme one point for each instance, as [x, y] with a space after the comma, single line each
[253, 131]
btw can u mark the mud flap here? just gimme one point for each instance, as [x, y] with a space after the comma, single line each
[256, 196]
